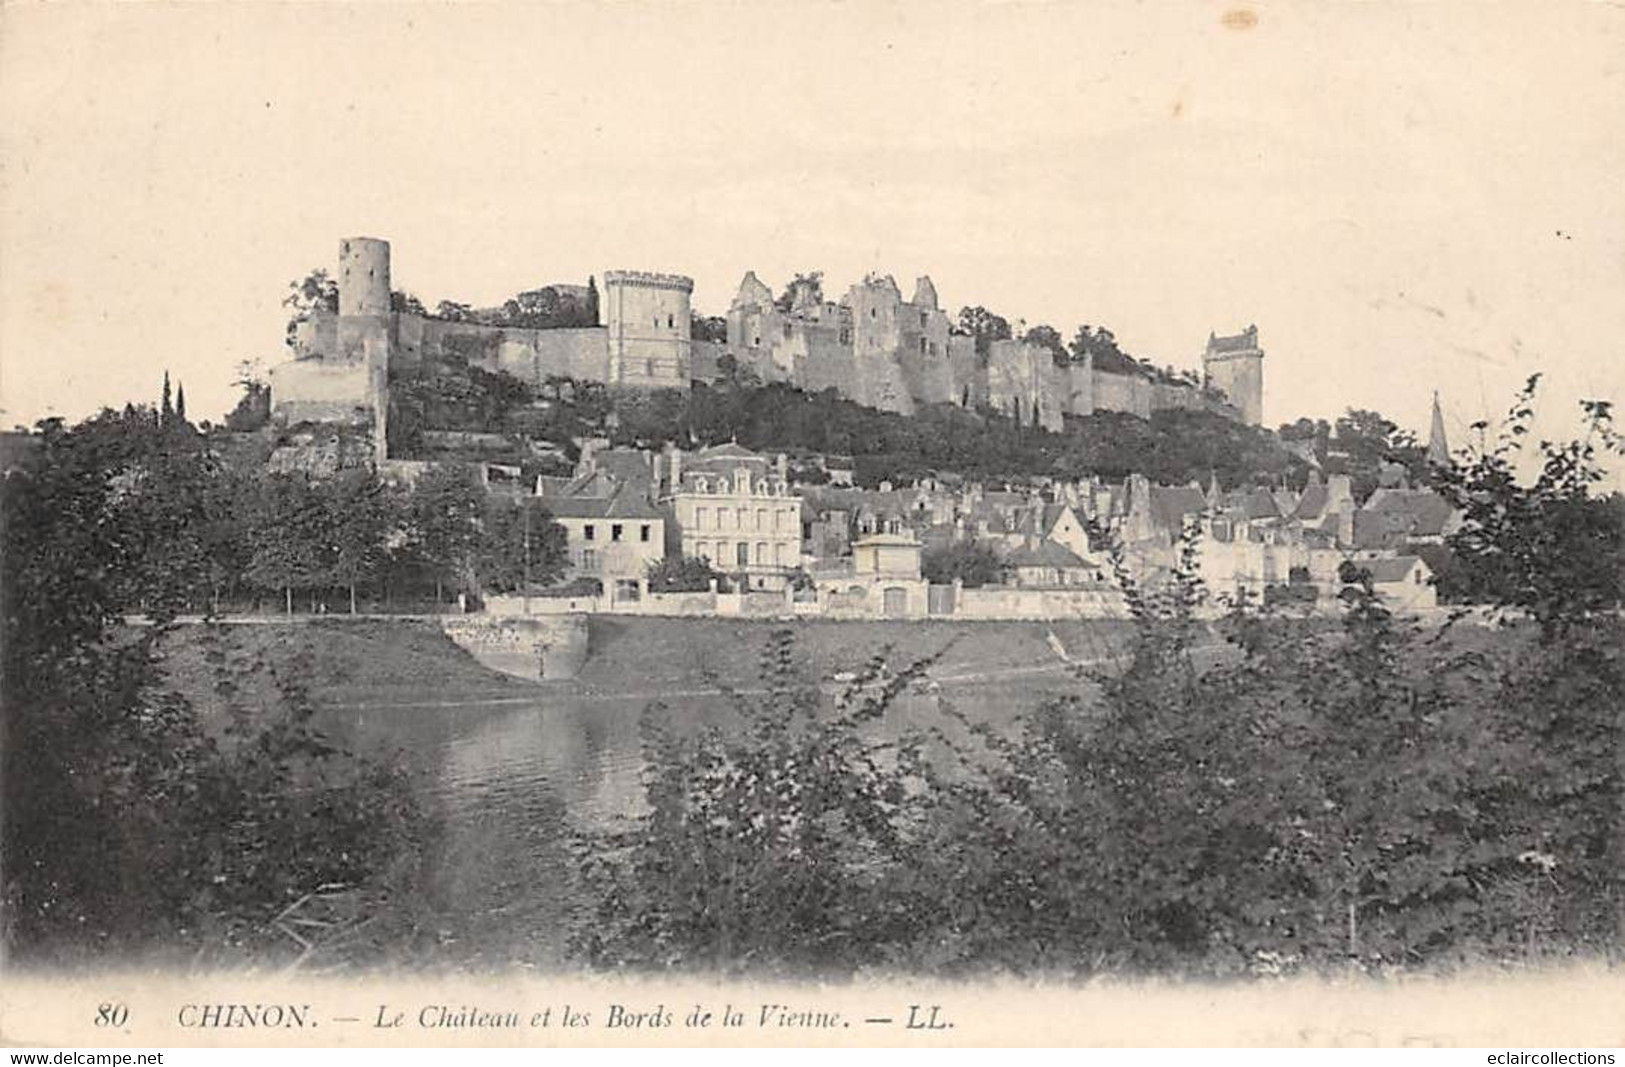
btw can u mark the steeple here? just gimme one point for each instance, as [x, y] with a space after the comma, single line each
[1438, 446]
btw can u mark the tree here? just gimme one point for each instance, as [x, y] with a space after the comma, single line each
[406, 303]
[514, 546]
[811, 284]
[1099, 346]
[128, 825]
[768, 847]
[984, 326]
[971, 562]
[1048, 337]
[684, 574]
[314, 292]
[1548, 546]
[360, 515]
[1364, 442]
[288, 533]
[712, 328]
[253, 409]
[443, 529]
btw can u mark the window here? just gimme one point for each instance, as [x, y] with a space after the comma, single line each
[761, 518]
[756, 342]
[922, 318]
[669, 322]
[657, 322]
[643, 533]
[787, 330]
[588, 532]
[871, 313]
[761, 552]
[648, 368]
[922, 346]
[846, 337]
[743, 551]
[778, 554]
[616, 531]
[589, 559]
[699, 518]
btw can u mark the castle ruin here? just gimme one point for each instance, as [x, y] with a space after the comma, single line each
[872, 347]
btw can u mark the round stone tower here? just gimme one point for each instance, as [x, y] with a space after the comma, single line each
[363, 276]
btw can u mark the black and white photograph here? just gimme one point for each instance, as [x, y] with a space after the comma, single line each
[812, 524]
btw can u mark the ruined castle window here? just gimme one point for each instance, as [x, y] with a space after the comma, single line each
[668, 322]
[756, 342]
[616, 531]
[643, 533]
[922, 346]
[588, 532]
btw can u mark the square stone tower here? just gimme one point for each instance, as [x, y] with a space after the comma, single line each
[648, 320]
[1235, 366]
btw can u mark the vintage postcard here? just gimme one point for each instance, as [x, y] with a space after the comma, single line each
[825, 524]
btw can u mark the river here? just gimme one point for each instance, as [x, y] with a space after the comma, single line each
[502, 777]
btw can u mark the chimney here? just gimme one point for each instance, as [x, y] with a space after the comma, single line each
[1139, 494]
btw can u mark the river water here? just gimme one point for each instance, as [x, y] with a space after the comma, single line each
[504, 779]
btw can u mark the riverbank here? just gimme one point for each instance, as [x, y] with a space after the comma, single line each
[381, 663]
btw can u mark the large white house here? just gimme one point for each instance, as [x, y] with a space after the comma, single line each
[735, 508]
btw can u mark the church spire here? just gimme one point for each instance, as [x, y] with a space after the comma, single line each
[1438, 446]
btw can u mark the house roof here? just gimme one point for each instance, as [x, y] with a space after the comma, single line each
[1171, 503]
[731, 450]
[1046, 554]
[1260, 504]
[623, 503]
[626, 464]
[1391, 568]
[1313, 502]
[1428, 510]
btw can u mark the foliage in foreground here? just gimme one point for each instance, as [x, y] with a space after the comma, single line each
[1373, 794]
[131, 823]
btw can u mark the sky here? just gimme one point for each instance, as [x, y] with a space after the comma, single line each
[1403, 197]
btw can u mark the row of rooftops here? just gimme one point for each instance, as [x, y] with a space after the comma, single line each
[632, 484]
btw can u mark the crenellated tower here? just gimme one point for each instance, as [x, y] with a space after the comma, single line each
[647, 316]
